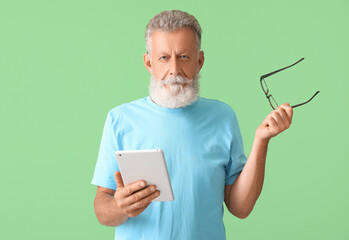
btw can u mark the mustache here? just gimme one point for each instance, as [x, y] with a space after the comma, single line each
[176, 79]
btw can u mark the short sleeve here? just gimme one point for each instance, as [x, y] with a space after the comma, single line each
[106, 161]
[237, 159]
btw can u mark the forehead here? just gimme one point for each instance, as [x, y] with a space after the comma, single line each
[183, 39]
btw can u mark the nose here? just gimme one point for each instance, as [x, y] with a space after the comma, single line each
[174, 67]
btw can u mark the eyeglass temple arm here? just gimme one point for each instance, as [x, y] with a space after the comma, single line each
[269, 74]
[306, 101]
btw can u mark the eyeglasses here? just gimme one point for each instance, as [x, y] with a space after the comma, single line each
[270, 98]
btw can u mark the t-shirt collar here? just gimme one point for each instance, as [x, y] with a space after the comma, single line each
[171, 110]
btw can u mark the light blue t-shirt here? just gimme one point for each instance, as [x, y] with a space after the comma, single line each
[204, 152]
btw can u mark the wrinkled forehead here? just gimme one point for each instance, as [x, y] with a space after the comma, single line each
[183, 40]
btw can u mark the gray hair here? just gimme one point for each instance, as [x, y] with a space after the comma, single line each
[170, 21]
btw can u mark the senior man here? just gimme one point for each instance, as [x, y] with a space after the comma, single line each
[200, 138]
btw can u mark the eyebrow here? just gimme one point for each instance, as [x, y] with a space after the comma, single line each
[181, 52]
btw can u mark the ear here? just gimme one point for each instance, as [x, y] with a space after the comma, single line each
[147, 63]
[201, 60]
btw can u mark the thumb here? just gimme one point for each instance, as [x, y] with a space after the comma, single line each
[265, 122]
[118, 179]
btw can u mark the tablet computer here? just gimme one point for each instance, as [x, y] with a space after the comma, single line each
[148, 165]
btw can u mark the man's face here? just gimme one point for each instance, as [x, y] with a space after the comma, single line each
[174, 66]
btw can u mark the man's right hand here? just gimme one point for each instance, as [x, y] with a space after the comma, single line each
[134, 198]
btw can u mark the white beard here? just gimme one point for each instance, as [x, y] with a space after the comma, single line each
[176, 95]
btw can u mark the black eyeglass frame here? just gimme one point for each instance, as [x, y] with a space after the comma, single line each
[269, 96]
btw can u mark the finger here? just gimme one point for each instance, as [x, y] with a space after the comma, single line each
[131, 188]
[118, 179]
[143, 208]
[138, 211]
[140, 195]
[284, 116]
[278, 119]
[273, 126]
[289, 110]
[143, 202]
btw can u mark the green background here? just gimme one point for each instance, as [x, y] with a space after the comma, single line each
[64, 64]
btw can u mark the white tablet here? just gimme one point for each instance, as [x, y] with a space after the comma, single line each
[148, 165]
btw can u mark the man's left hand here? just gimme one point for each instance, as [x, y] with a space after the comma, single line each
[276, 122]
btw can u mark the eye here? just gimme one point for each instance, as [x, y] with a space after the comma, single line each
[162, 57]
[184, 56]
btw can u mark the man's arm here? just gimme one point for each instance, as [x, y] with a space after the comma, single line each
[241, 196]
